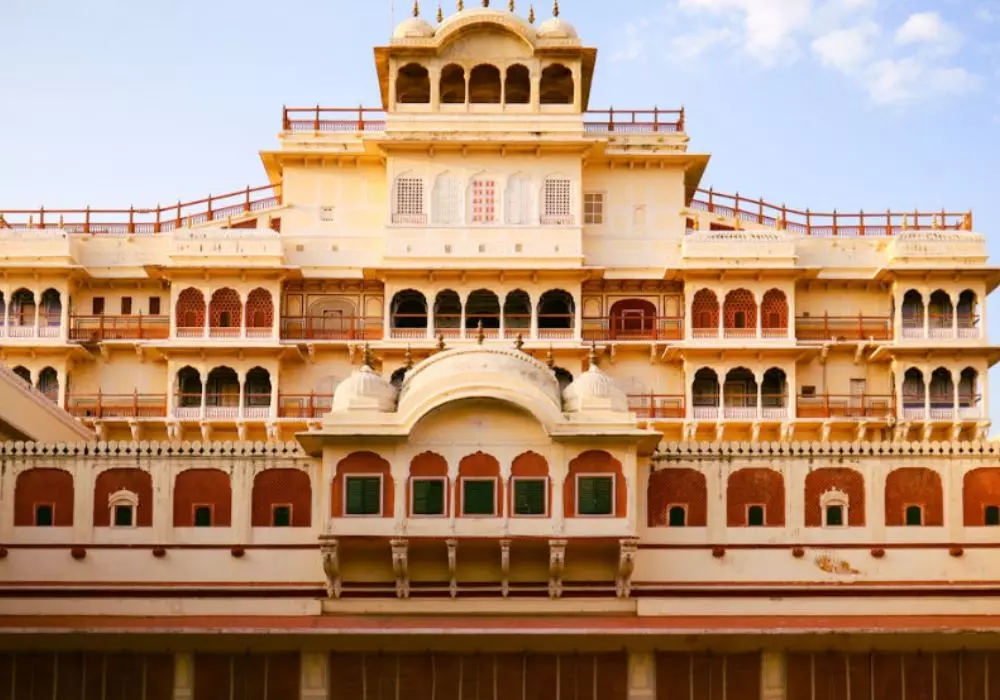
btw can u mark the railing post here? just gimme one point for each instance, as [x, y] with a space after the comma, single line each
[156, 225]
[361, 118]
[100, 327]
[316, 121]
[834, 223]
[711, 202]
[41, 217]
[100, 410]
[86, 219]
[140, 326]
[681, 121]
[312, 403]
[808, 223]
[861, 223]
[246, 203]
[135, 403]
[178, 224]
[611, 119]
[656, 119]
[131, 219]
[209, 207]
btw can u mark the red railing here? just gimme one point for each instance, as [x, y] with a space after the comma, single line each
[810, 223]
[858, 327]
[136, 220]
[846, 406]
[657, 405]
[627, 328]
[94, 329]
[331, 328]
[133, 405]
[311, 405]
[370, 119]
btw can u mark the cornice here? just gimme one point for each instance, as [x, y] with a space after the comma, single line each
[122, 448]
[686, 450]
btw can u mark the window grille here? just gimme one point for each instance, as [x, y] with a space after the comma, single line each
[483, 201]
[557, 201]
[410, 196]
[595, 495]
[593, 208]
[529, 497]
[428, 497]
[478, 497]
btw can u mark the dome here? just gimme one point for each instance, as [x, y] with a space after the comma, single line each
[364, 390]
[556, 28]
[413, 28]
[594, 391]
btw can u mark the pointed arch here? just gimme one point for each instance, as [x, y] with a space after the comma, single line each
[452, 85]
[517, 85]
[483, 306]
[705, 314]
[774, 314]
[448, 313]
[740, 314]
[413, 85]
[409, 313]
[755, 488]
[914, 491]
[557, 85]
[225, 312]
[517, 312]
[48, 383]
[485, 84]
[190, 313]
[259, 313]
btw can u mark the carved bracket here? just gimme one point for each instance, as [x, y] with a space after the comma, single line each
[505, 567]
[452, 567]
[331, 567]
[557, 562]
[627, 549]
[400, 567]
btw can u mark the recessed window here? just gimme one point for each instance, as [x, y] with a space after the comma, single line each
[914, 516]
[755, 516]
[677, 516]
[428, 496]
[97, 306]
[479, 496]
[556, 194]
[203, 516]
[484, 201]
[595, 495]
[835, 516]
[126, 306]
[530, 496]
[281, 516]
[808, 390]
[593, 208]
[409, 196]
[992, 516]
[44, 515]
[364, 495]
[154, 306]
[124, 516]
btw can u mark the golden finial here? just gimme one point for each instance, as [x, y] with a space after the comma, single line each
[480, 333]
[416, 8]
[368, 357]
[519, 343]
[60, 221]
[592, 355]
[555, 8]
[440, 345]
[510, 5]
[440, 15]
[461, 5]
[550, 359]
[408, 358]
[486, 3]
[531, 14]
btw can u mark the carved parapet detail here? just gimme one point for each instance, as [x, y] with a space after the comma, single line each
[627, 549]
[400, 567]
[557, 562]
[331, 567]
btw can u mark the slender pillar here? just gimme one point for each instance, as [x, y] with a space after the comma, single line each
[38, 313]
[315, 683]
[772, 677]
[954, 318]
[954, 389]
[6, 312]
[183, 676]
[207, 297]
[241, 409]
[64, 317]
[243, 319]
[272, 411]
[534, 320]
[927, 395]
[927, 318]
[641, 675]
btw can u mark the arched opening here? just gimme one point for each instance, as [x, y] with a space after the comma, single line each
[740, 312]
[981, 497]
[942, 390]
[413, 85]
[3, 310]
[705, 394]
[24, 373]
[740, 394]
[257, 393]
[969, 394]
[677, 497]
[968, 315]
[22, 310]
[633, 319]
[563, 376]
[409, 314]
[48, 383]
[50, 316]
[327, 318]
[188, 391]
[123, 497]
[452, 85]
[940, 314]
[43, 497]
[281, 498]
[913, 314]
[517, 85]
[484, 85]
[557, 86]
[556, 314]
[913, 496]
[834, 497]
[774, 394]
[774, 314]
[225, 312]
[755, 497]
[483, 306]
[398, 377]
[914, 394]
[705, 314]
[190, 313]
[517, 313]
[203, 498]
[222, 393]
[260, 314]
[448, 314]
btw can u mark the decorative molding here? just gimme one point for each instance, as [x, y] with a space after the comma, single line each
[505, 567]
[557, 562]
[400, 567]
[627, 549]
[713, 450]
[153, 449]
[331, 567]
[452, 567]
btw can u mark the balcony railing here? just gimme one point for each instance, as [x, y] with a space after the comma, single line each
[449, 326]
[733, 406]
[123, 406]
[331, 328]
[941, 327]
[657, 406]
[633, 328]
[310, 405]
[860, 327]
[739, 333]
[145, 220]
[226, 332]
[95, 329]
[634, 121]
[942, 407]
[49, 326]
[222, 406]
[760, 213]
[850, 406]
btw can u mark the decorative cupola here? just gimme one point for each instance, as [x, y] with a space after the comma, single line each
[594, 391]
[415, 27]
[556, 28]
[365, 390]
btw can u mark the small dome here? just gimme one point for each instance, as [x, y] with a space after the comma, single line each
[556, 28]
[364, 390]
[413, 28]
[594, 391]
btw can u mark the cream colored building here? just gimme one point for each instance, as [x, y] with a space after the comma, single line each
[484, 396]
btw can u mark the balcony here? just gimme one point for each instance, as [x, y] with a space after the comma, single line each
[846, 406]
[117, 406]
[331, 328]
[222, 406]
[942, 408]
[633, 328]
[304, 406]
[97, 329]
[740, 407]
[657, 406]
[842, 328]
[941, 327]
[48, 326]
[746, 334]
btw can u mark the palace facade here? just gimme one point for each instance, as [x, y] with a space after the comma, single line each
[484, 397]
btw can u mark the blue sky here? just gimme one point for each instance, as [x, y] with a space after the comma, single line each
[817, 103]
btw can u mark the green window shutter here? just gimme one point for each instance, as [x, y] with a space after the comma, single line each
[123, 516]
[478, 497]
[755, 516]
[915, 516]
[594, 495]
[43, 516]
[834, 516]
[281, 516]
[428, 497]
[364, 495]
[203, 516]
[992, 516]
[678, 518]
[529, 497]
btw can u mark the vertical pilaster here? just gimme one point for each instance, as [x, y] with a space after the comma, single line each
[242, 481]
[715, 491]
[772, 677]
[183, 676]
[83, 500]
[207, 296]
[64, 319]
[315, 683]
[641, 675]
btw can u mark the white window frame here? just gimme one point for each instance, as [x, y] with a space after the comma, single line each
[835, 498]
[603, 200]
[444, 481]
[682, 506]
[123, 497]
[497, 512]
[381, 495]
[513, 491]
[614, 494]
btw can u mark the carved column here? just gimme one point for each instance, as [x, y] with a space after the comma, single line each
[772, 677]
[641, 675]
[314, 680]
[183, 676]
[557, 562]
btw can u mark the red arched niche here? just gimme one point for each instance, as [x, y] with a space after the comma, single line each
[190, 309]
[363, 464]
[633, 318]
[43, 487]
[225, 310]
[740, 310]
[281, 487]
[774, 310]
[980, 488]
[260, 309]
[752, 487]
[203, 487]
[534, 466]
[429, 465]
[848, 481]
[112, 481]
[479, 465]
[705, 310]
[914, 486]
[595, 462]
[677, 487]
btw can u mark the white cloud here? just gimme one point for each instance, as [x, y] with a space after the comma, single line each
[634, 45]
[911, 79]
[769, 26]
[928, 30]
[688, 47]
[846, 49]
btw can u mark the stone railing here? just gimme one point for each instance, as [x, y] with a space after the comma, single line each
[226, 243]
[739, 245]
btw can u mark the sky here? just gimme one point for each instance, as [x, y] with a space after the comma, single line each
[853, 104]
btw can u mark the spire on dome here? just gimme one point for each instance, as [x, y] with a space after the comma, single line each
[416, 8]
[408, 358]
[368, 357]
[441, 346]
[440, 14]
[486, 3]
[519, 343]
[461, 5]
[555, 8]
[510, 5]
[480, 333]
[592, 356]
[531, 14]
[550, 359]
